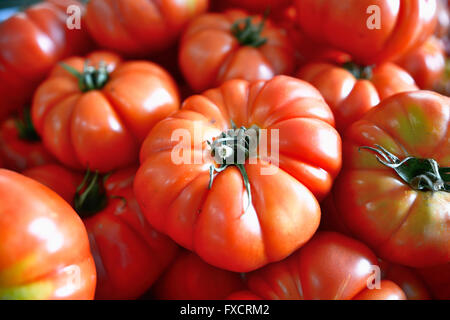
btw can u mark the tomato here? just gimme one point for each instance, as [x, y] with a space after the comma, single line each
[330, 266]
[408, 279]
[438, 280]
[245, 213]
[426, 64]
[31, 43]
[87, 114]
[254, 5]
[44, 247]
[352, 90]
[129, 254]
[393, 190]
[221, 46]
[352, 26]
[306, 49]
[20, 145]
[190, 278]
[140, 27]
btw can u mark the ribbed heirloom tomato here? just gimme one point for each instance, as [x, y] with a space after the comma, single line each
[254, 5]
[31, 43]
[330, 266]
[351, 90]
[129, 254]
[140, 27]
[371, 31]
[426, 64]
[94, 112]
[221, 46]
[44, 247]
[190, 278]
[393, 190]
[260, 205]
[20, 145]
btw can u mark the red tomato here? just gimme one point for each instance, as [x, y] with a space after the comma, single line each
[253, 5]
[351, 90]
[31, 43]
[190, 278]
[140, 27]
[426, 64]
[406, 278]
[129, 254]
[330, 266]
[20, 146]
[253, 212]
[438, 280]
[351, 26]
[221, 46]
[398, 203]
[86, 124]
[44, 247]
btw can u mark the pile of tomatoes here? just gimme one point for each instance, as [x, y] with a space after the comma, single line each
[225, 149]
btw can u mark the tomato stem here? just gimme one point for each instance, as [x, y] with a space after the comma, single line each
[25, 127]
[90, 196]
[233, 148]
[419, 174]
[249, 34]
[91, 78]
[359, 72]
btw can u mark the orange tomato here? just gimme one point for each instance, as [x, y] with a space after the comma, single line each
[44, 247]
[352, 91]
[96, 117]
[371, 31]
[254, 212]
[32, 42]
[140, 27]
[221, 46]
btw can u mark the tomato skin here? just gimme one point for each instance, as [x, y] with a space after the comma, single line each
[140, 27]
[190, 278]
[350, 98]
[129, 254]
[86, 129]
[44, 246]
[33, 41]
[344, 24]
[438, 280]
[330, 266]
[175, 197]
[19, 154]
[406, 278]
[210, 54]
[426, 64]
[254, 5]
[374, 203]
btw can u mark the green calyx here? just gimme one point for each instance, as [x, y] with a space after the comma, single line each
[359, 72]
[90, 196]
[25, 127]
[419, 174]
[91, 78]
[248, 33]
[233, 148]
